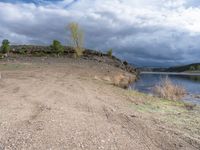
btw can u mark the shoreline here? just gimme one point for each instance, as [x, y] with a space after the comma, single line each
[190, 97]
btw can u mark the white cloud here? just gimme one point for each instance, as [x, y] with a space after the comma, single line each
[148, 29]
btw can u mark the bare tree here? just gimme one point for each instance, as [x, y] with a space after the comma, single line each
[77, 38]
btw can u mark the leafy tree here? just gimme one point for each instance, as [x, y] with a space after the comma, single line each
[5, 47]
[198, 67]
[109, 52]
[192, 68]
[57, 47]
[77, 38]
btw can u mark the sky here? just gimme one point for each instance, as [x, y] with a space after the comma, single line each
[144, 32]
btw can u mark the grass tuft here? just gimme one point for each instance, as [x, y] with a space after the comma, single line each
[168, 90]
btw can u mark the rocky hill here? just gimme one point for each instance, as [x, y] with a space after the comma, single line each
[33, 50]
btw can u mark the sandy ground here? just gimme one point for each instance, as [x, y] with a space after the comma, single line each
[71, 106]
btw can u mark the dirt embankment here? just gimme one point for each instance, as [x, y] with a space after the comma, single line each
[72, 104]
[88, 54]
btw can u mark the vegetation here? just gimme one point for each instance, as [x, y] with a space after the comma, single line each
[183, 115]
[167, 90]
[186, 68]
[198, 67]
[57, 47]
[40, 54]
[23, 51]
[195, 68]
[5, 47]
[1, 56]
[109, 52]
[77, 38]
[192, 68]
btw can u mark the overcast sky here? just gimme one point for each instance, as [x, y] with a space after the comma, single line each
[144, 32]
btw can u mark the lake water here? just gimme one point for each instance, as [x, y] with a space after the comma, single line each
[190, 82]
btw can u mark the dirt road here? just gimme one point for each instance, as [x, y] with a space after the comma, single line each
[67, 106]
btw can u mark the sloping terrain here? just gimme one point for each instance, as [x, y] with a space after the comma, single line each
[73, 105]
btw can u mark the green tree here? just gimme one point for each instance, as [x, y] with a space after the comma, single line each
[57, 47]
[192, 68]
[109, 52]
[5, 47]
[198, 67]
[77, 38]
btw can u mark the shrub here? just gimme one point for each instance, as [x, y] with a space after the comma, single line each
[23, 51]
[40, 54]
[198, 67]
[192, 68]
[1, 56]
[109, 52]
[125, 63]
[57, 47]
[189, 106]
[122, 80]
[166, 89]
[77, 38]
[5, 47]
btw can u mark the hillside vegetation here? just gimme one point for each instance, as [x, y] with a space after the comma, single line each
[187, 68]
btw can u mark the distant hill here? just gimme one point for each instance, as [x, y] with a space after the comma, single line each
[186, 68]
[151, 69]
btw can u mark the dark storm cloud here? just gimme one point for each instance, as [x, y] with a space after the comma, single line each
[150, 36]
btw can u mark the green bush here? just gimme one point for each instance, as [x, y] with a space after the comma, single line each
[109, 52]
[192, 68]
[198, 67]
[5, 47]
[23, 51]
[1, 56]
[39, 54]
[57, 48]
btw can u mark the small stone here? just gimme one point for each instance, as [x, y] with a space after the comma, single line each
[133, 116]
[102, 141]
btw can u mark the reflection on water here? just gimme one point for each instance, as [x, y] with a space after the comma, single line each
[194, 78]
[190, 82]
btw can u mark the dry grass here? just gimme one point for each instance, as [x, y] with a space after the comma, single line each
[168, 90]
[123, 80]
[79, 52]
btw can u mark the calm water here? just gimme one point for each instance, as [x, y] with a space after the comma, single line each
[190, 82]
